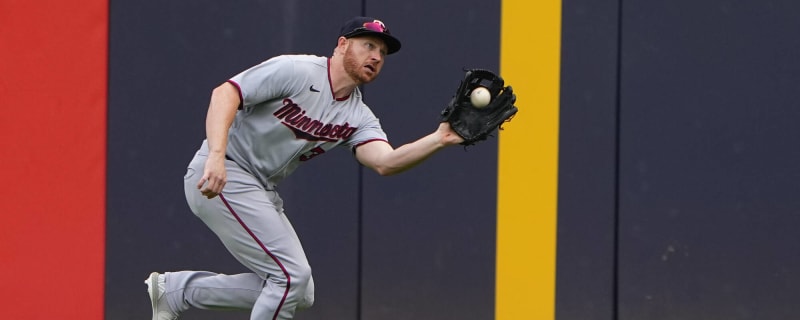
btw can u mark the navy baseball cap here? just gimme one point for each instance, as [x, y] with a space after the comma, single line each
[363, 26]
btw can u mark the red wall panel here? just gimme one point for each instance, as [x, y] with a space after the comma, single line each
[53, 151]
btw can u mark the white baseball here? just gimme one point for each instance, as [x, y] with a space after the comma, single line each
[480, 97]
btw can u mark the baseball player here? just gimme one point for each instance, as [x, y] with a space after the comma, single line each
[262, 124]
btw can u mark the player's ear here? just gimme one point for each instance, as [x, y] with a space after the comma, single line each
[342, 43]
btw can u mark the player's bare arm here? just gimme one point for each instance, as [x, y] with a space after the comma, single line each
[221, 111]
[385, 160]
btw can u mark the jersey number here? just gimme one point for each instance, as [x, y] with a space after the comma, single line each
[311, 154]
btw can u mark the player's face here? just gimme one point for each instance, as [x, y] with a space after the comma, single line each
[363, 59]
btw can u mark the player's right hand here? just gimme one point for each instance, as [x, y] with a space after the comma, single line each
[214, 177]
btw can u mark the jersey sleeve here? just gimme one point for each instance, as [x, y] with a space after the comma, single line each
[369, 130]
[265, 81]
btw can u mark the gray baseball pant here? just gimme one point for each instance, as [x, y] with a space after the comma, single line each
[250, 222]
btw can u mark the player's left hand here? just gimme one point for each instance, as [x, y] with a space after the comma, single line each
[448, 137]
[473, 118]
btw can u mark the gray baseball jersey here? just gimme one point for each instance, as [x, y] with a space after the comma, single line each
[289, 115]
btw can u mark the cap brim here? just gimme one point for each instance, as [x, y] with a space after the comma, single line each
[392, 44]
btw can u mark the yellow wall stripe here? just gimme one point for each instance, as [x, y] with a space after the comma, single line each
[528, 161]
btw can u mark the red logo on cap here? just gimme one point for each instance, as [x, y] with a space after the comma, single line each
[375, 25]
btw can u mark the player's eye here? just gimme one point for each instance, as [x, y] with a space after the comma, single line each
[371, 46]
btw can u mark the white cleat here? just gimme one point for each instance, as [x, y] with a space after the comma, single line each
[156, 286]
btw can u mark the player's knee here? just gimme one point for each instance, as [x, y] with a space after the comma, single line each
[307, 301]
[303, 286]
[308, 296]
[301, 277]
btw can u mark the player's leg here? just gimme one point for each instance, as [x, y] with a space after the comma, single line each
[212, 291]
[250, 223]
[271, 249]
